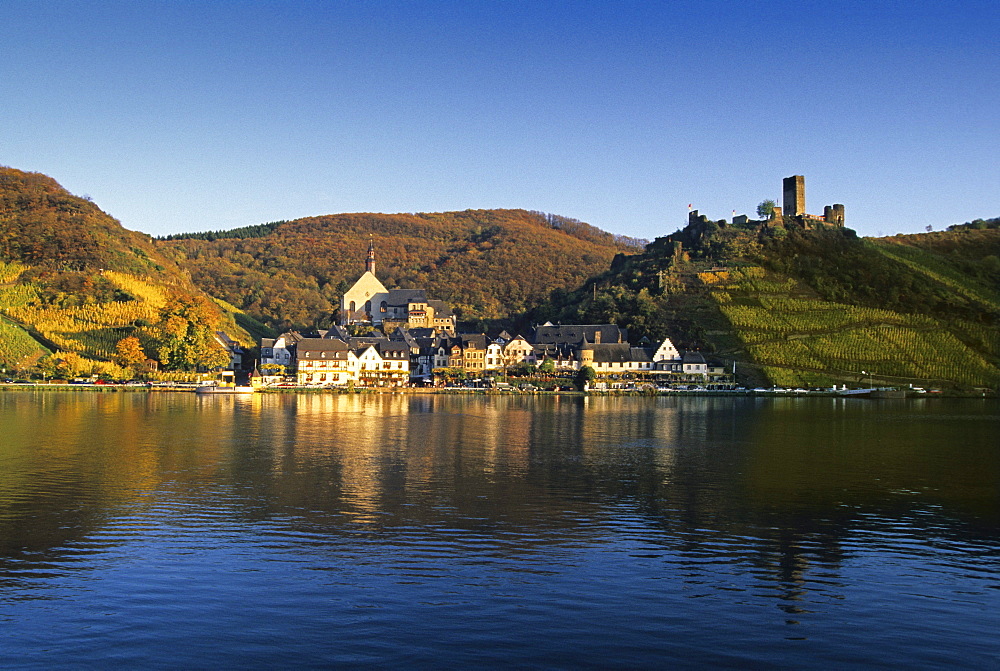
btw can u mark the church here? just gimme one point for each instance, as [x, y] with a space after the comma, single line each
[369, 302]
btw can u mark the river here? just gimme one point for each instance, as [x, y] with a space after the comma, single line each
[166, 530]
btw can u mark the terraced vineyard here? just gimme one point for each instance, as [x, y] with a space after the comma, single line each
[17, 348]
[92, 330]
[802, 340]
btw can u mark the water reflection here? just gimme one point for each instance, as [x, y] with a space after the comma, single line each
[767, 498]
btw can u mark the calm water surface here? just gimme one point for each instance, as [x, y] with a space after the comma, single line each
[166, 530]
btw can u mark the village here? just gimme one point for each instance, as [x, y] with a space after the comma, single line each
[394, 338]
[400, 337]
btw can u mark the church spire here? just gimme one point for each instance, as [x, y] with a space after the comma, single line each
[370, 262]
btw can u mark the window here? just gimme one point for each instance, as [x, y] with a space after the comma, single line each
[384, 306]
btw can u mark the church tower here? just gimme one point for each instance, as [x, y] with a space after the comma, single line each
[370, 262]
[363, 301]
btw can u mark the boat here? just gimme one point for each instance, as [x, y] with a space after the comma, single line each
[883, 392]
[224, 389]
[855, 392]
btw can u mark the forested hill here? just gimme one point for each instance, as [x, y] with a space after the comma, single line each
[488, 264]
[75, 282]
[812, 307]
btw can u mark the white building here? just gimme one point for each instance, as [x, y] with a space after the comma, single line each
[332, 362]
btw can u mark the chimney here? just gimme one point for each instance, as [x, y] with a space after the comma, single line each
[597, 337]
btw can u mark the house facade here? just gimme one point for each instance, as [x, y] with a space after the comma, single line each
[331, 362]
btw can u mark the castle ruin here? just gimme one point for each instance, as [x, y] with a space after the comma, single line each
[792, 210]
[793, 205]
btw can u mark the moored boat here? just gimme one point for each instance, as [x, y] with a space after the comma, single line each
[224, 389]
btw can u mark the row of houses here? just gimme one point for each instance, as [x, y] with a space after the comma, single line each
[335, 358]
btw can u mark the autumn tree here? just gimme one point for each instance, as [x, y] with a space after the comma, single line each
[71, 364]
[129, 353]
[186, 335]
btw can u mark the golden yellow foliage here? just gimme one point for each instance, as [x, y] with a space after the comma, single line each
[141, 289]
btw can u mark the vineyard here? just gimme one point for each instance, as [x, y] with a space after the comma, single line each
[91, 330]
[800, 339]
[17, 348]
[9, 272]
[940, 272]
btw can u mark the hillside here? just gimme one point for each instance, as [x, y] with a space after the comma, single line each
[73, 281]
[488, 264]
[812, 307]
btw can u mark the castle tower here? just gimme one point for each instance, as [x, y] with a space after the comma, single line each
[834, 214]
[370, 262]
[793, 196]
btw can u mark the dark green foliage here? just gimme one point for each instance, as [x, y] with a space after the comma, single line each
[845, 269]
[977, 224]
[242, 233]
[584, 376]
[70, 288]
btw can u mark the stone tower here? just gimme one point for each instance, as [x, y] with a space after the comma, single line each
[793, 196]
[834, 214]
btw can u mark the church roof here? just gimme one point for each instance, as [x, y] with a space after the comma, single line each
[401, 297]
[574, 333]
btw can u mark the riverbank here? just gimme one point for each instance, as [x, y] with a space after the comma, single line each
[765, 393]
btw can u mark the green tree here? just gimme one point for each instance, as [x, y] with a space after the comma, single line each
[186, 335]
[585, 376]
[522, 369]
[450, 375]
[766, 208]
[47, 368]
[548, 366]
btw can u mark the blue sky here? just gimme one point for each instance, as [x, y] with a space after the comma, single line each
[183, 116]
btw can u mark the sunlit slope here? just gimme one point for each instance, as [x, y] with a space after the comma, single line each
[72, 279]
[920, 309]
[800, 339]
